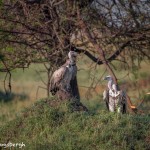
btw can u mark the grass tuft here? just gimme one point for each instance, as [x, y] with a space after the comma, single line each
[50, 124]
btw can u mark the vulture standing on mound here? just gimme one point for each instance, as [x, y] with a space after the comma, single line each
[115, 99]
[61, 78]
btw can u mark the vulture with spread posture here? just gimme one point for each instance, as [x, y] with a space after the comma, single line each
[61, 78]
[115, 99]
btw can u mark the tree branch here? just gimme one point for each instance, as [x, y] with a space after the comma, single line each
[97, 60]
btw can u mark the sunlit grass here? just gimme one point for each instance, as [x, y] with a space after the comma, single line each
[40, 126]
[26, 85]
[44, 127]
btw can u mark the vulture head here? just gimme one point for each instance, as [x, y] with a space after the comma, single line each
[110, 82]
[111, 85]
[72, 56]
[108, 78]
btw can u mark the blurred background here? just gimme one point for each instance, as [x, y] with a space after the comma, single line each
[28, 86]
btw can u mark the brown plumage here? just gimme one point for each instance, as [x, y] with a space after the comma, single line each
[61, 78]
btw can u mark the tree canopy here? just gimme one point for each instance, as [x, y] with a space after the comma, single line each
[44, 31]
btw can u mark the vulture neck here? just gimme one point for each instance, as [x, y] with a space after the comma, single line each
[72, 62]
[112, 86]
[110, 82]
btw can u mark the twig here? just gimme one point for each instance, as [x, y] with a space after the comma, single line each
[38, 90]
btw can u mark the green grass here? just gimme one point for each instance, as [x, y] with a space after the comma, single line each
[45, 127]
[25, 84]
[41, 126]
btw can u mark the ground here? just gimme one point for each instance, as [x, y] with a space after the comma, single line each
[27, 116]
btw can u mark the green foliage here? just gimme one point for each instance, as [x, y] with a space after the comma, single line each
[9, 49]
[44, 126]
[144, 75]
[1, 2]
[1, 56]
[147, 98]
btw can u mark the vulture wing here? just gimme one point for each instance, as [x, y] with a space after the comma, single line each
[106, 98]
[57, 78]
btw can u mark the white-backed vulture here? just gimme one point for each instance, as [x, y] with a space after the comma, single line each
[115, 99]
[61, 78]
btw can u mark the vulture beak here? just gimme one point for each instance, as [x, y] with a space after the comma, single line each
[105, 78]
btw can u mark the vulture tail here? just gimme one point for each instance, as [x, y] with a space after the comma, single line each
[53, 88]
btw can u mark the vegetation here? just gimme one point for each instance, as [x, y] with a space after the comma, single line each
[35, 38]
[45, 127]
[44, 31]
[40, 125]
